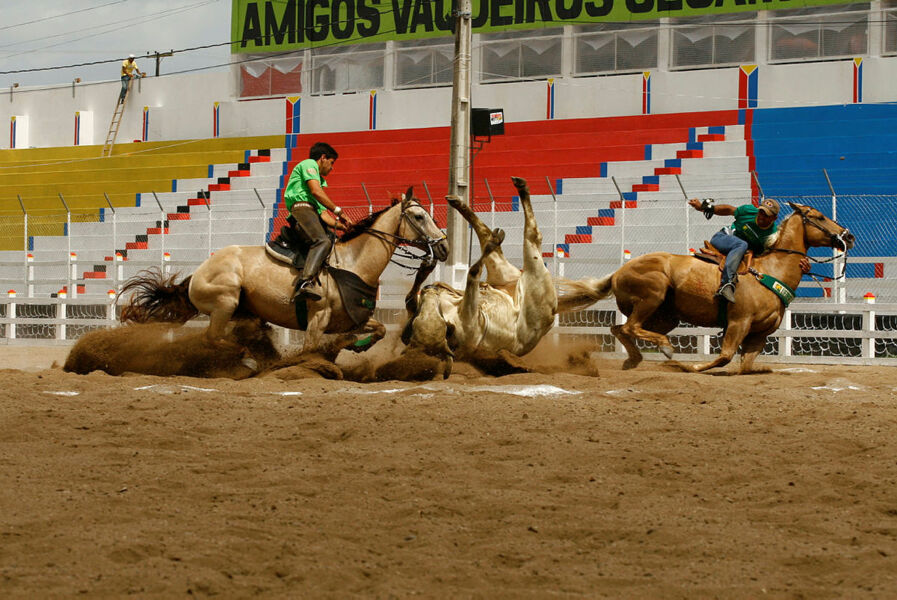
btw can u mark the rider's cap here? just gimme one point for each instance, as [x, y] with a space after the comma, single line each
[770, 207]
[130, 56]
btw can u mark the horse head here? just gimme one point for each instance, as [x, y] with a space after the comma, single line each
[819, 230]
[419, 229]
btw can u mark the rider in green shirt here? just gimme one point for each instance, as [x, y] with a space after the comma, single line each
[307, 202]
[753, 226]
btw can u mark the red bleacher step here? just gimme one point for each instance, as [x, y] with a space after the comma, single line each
[256, 159]
[668, 171]
[239, 173]
[178, 216]
[94, 275]
[136, 245]
[712, 137]
[577, 238]
[619, 204]
[599, 221]
[690, 154]
[197, 202]
[219, 187]
[156, 230]
[646, 187]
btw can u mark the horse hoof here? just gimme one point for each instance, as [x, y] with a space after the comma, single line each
[250, 363]
[630, 364]
[667, 351]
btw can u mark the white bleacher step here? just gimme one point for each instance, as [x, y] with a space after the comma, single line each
[255, 169]
[640, 168]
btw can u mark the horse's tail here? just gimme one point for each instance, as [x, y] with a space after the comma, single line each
[156, 297]
[580, 293]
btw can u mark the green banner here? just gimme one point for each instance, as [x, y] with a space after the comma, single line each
[283, 25]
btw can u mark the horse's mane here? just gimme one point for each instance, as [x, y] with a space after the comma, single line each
[772, 240]
[362, 225]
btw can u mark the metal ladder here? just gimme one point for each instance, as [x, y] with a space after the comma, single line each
[113, 127]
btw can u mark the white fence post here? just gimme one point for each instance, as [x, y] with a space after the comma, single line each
[73, 274]
[11, 315]
[29, 258]
[60, 314]
[869, 326]
[785, 343]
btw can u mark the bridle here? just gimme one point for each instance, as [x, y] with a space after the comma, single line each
[835, 239]
[399, 243]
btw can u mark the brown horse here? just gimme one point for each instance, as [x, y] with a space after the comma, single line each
[658, 290]
[248, 279]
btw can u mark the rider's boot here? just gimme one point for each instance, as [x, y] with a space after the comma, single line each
[727, 291]
[306, 286]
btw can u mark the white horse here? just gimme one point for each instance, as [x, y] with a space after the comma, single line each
[504, 317]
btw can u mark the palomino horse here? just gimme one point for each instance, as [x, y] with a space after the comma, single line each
[248, 279]
[658, 290]
[509, 313]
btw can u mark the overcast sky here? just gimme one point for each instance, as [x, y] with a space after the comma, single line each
[55, 33]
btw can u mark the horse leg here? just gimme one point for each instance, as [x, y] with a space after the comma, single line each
[735, 333]
[635, 356]
[469, 310]
[644, 312]
[314, 333]
[499, 271]
[751, 347]
[358, 341]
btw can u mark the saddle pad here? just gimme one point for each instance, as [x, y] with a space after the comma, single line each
[359, 298]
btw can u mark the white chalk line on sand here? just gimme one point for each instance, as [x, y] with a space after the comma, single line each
[172, 389]
[528, 391]
[63, 393]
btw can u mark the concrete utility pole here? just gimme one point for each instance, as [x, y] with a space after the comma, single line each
[456, 228]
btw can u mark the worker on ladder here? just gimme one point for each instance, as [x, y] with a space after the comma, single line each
[128, 66]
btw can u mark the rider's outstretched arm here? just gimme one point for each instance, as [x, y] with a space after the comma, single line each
[706, 207]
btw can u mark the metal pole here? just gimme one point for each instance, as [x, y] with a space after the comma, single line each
[430, 198]
[114, 227]
[554, 243]
[24, 227]
[840, 289]
[622, 219]
[688, 212]
[162, 229]
[757, 181]
[368, 196]
[491, 204]
[458, 184]
[264, 226]
[68, 243]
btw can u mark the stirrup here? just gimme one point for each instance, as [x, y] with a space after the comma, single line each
[727, 292]
[304, 290]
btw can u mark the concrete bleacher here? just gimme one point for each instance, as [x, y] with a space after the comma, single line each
[614, 183]
[48, 182]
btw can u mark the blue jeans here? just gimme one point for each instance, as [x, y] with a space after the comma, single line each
[124, 87]
[734, 249]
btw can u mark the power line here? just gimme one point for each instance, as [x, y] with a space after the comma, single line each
[60, 15]
[113, 26]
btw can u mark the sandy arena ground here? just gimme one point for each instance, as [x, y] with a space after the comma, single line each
[638, 484]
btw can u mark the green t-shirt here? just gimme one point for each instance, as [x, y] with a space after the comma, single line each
[297, 188]
[746, 228]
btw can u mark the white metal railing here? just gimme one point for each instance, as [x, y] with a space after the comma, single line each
[863, 334]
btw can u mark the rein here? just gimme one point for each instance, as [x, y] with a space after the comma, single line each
[835, 238]
[398, 243]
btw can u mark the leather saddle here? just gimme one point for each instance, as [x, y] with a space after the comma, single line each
[710, 254]
[289, 246]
